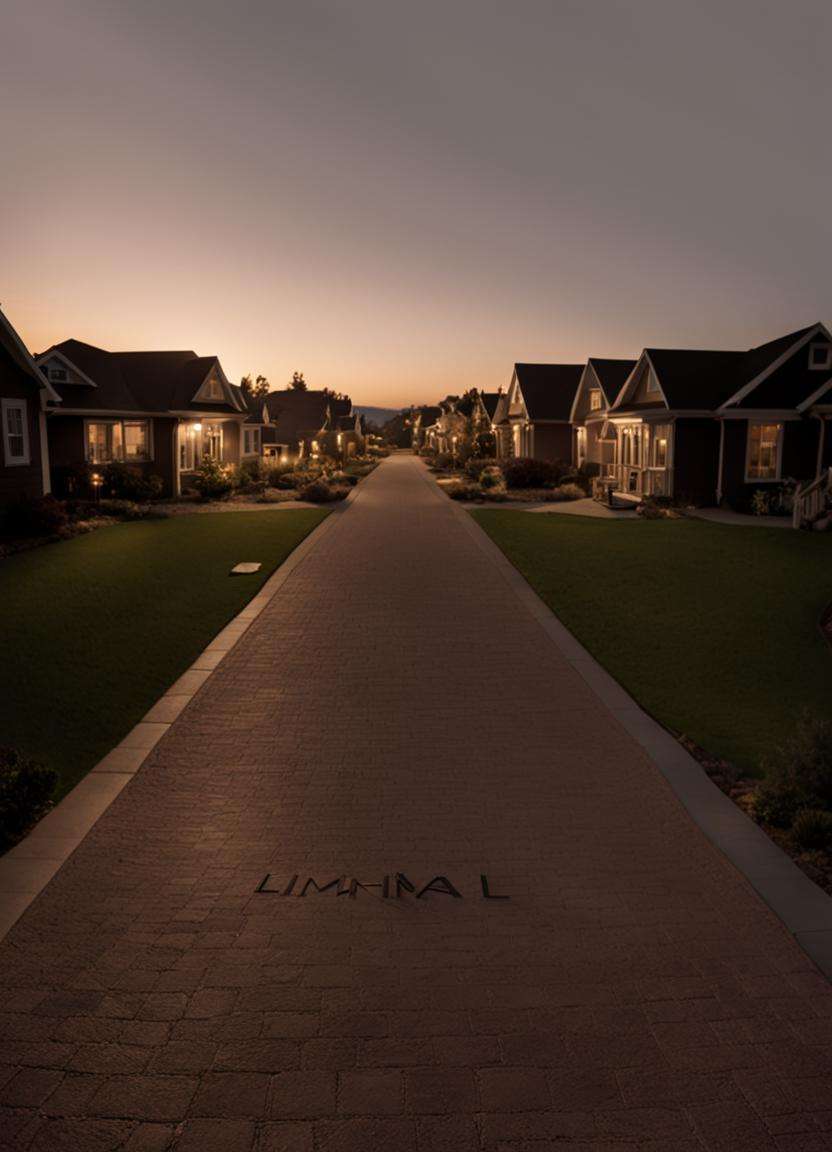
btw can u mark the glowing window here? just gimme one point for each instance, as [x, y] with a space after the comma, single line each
[764, 451]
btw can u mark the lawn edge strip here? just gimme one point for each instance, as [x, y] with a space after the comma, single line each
[27, 868]
[803, 908]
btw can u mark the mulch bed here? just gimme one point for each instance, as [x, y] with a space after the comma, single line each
[740, 789]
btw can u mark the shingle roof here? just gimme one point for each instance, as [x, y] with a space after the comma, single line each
[19, 354]
[705, 379]
[490, 400]
[297, 414]
[548, 389]
[253, 405]
[612, 375]
[137, 381]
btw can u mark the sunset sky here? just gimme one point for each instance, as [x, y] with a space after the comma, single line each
[402, 199]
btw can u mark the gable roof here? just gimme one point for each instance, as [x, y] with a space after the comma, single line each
[612, 375]
[298, 413]
[139, 381]
[20, 356]
[252, 405]
[490, 400]
[548, 389]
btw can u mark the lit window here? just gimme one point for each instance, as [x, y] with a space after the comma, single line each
[764, 451]
[820, 356]
[15, 432]
[118, 440]
[594, 399]
[661, 435]
[135, 440]
[212, 389]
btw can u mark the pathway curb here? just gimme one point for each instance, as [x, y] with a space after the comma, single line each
[26, 869]
[804, 909]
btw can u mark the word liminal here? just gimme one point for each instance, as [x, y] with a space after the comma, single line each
[390, 887]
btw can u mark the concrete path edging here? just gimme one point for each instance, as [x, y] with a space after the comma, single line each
[803, 907]
[26, 869]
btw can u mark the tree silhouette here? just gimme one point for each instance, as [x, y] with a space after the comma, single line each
[255, 389]
[297, 382]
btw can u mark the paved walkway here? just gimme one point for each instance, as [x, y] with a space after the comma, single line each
[397, 709]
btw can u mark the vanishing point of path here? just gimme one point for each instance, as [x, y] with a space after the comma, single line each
[396, 709]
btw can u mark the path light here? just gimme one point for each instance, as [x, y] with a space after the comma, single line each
[96, 479]
[453, 450]
[340, 440]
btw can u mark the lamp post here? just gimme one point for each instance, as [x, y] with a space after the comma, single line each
[453, 450]
[97, 480]
[340, 439]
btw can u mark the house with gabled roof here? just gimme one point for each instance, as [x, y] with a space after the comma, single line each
[713, 425]
[24, 395]
[594, 439]
[535, 418]
[160, 413]
[304, 422]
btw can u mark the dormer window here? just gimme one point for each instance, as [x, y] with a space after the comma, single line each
[594, 399]
[58, 375]
[212, 389]
[820, 357]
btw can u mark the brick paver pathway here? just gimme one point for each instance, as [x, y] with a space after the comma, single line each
[396, 709]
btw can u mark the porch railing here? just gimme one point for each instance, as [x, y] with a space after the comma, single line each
[811, 499]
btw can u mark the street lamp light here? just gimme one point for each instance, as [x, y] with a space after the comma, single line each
[340, 440]
[453, 450]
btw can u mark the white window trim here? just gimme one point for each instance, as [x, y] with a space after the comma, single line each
[148, 459]
[255, 434]
[14, 461]
[778, 472]
[826, 364]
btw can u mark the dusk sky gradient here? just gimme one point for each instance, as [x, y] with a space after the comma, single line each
[402, 199]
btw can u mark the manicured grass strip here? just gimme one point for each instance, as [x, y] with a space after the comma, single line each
[712, 628]
[95, 629]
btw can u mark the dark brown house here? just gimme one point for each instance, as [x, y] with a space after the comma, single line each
[304, 423]
[713, 426]
[534, 419]
[594, 436]
[160, 413]
[24, 392]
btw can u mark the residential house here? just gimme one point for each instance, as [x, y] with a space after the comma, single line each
[535, 418]
[420, 420]
[305, 423]
[347, 437]
[708, 426]
[257, 418]
[158, 412]
[24, 393]
[594, 435]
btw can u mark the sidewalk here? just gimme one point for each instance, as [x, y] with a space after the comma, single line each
[398, 711]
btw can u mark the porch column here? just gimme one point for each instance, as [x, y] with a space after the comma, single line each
[821, 445]
[719, 465]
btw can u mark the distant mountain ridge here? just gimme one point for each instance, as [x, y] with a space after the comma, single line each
[377, 416]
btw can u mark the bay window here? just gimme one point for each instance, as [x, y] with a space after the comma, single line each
[763, 459]
[15, 432]
[110, 441]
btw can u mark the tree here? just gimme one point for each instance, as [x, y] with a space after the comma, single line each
[257, 389]
[297, 382]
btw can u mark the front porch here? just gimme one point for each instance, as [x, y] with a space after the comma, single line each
[201, 439]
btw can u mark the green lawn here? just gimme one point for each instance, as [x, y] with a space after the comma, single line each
[95, 629]
[712, 628]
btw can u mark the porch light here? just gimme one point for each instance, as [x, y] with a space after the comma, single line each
[196, 427]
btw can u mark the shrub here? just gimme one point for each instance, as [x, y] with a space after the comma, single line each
[798, 774]
[476, 465]
[319, 492]
[276, 473]
[524, 472]
[123, 509]
[565, 492]
[212, 480]
[463, 490]
[344, 478]
[760, 502]
[26, 788]
[250, 472]
[812, 830]
[491, 478]
[41, 516]
[443, 462]
[126, 483]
